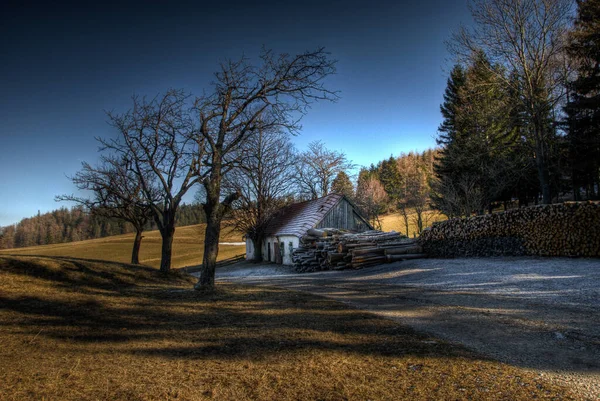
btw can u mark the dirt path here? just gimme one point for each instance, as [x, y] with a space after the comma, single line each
[539, 314]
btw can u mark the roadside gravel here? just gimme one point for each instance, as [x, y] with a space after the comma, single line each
[542, 314]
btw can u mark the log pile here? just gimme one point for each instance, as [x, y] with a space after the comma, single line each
[333, 249]
[568, 229]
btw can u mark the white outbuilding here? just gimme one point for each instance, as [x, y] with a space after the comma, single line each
[284, 231]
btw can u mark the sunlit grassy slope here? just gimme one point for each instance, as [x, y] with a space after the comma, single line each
[395, 222]
[187, 247]
[72, 329]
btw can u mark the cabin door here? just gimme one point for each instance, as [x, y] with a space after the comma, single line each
[278, 255]
[268, 251]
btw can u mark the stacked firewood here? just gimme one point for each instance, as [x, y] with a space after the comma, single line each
[333, 249]
[568, 229]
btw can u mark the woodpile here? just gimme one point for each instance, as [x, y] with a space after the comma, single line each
[568, 229]
[333, 249]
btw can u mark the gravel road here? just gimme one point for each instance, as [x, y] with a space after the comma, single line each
[541, 314]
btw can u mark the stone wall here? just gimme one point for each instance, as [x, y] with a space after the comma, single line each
[568, 229]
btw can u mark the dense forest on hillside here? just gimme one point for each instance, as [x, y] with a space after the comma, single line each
[76, 224]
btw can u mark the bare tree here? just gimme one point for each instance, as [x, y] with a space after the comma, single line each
[527, 37]
[248, 99]
[316, 169]
[264, 182]
[413, 191]
[461, 198]
[371, 197]
[159, 139]
[116, 194]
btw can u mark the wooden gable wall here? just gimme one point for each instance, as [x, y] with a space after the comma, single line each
[344, 216]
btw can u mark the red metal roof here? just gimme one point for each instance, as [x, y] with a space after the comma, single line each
[299, 217]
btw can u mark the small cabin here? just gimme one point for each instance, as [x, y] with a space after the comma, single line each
[284, 231]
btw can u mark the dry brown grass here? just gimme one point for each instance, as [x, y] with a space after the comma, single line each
[73, 329]
[395, 222]
[188, 247]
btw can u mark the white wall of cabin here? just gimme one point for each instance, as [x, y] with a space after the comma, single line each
[287, 252]
[249, 249]
[290, 243]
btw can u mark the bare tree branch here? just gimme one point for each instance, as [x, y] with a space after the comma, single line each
[116, 193]
[317, 168]
[248, 99]
[160, 139]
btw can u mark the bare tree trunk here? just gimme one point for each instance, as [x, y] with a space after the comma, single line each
[257, 243]
[211, 247]
[575, 185]
[404, 213]
[137, 242]
[167, 246]
[541, 158]
[544, 178]
[419, 219]
[214, 210]
[467, 210]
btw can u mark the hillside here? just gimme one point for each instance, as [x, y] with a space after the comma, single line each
[77, 224]
[188, 247]
[395, 222]
[78, 330]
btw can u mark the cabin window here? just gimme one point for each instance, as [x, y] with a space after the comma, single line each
[291, 247]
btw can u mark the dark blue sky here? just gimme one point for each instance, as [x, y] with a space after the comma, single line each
[64, 64]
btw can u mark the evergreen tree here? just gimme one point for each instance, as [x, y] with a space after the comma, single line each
[444, 195]
[477, 137]
[390, 178]
[342, 185]
[488, 137]
[445, 169]
[583, 107]
[528, 38]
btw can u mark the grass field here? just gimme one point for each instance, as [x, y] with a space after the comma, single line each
[78, 330]
[395, 222]
[188, 247]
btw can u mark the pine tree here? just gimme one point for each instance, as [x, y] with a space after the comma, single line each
[342, 185]
[448, 132]
[390, 178]
[477, 138]
[583, 108]
[446, 168]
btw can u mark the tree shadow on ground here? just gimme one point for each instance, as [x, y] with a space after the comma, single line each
[177, 322]
[523, 328]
